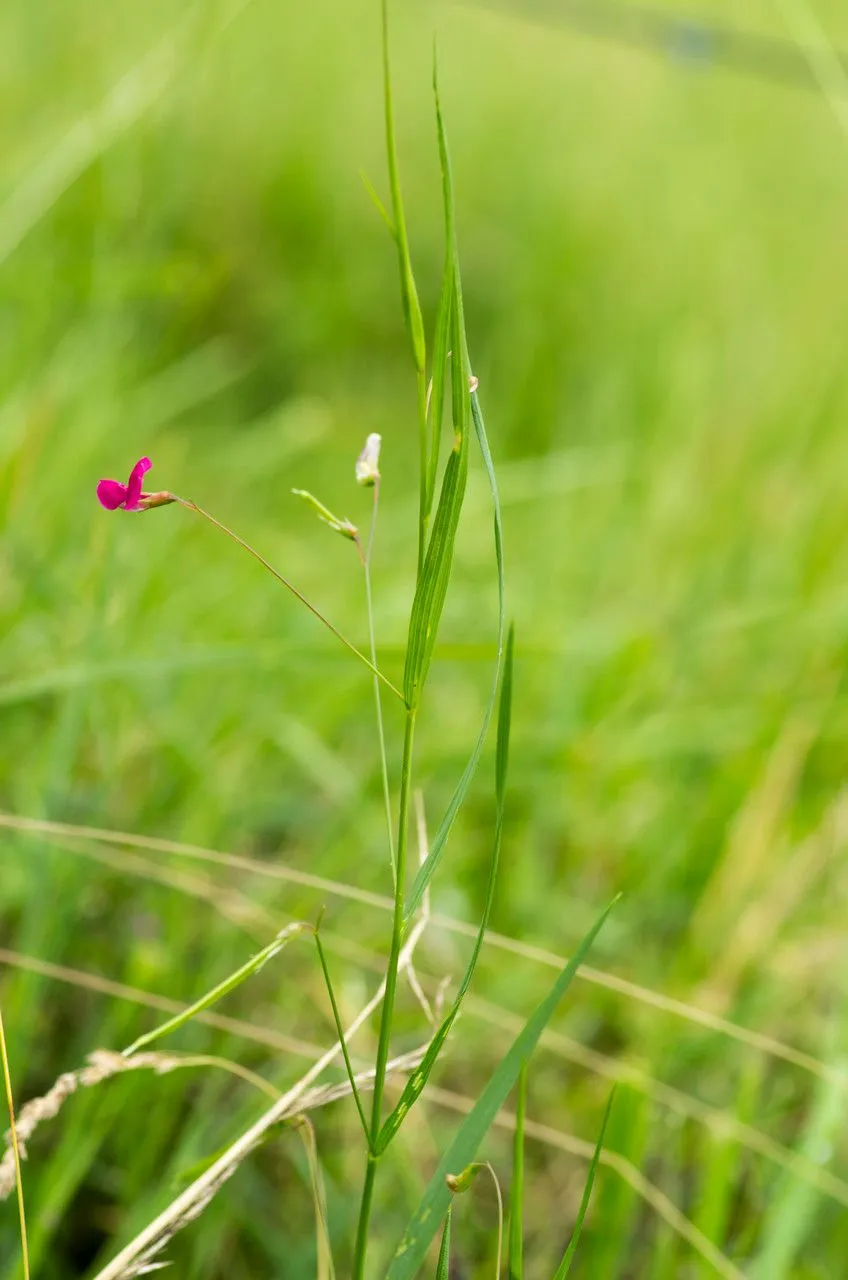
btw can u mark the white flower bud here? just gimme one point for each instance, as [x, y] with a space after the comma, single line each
[368, 462]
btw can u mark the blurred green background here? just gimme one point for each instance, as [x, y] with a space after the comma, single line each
[654, 263]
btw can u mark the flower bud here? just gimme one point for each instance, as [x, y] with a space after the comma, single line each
[368, 462]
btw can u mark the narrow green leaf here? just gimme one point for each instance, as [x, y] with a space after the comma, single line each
[443, 1269]
[409, 293]
[428, 870]
[223, 988]
[341, 1034]
[416, 1082]
[515, 1265]
[565, 1266]
[432, 586]
[441, 339]
[413, 1247]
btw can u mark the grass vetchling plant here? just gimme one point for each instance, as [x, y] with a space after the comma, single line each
[445, 386]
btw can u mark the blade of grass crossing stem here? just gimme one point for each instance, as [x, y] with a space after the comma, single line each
[306, 1131]
[515, 1266]
[437, 848]
[223, 988]
[568, 1257]
[416, 1082]
[443, 1268]
[409, 293]
[422, 1227]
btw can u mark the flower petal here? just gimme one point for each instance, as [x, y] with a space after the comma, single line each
[134, 484]
[111, 494]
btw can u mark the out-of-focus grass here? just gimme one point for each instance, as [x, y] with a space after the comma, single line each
[654, 265]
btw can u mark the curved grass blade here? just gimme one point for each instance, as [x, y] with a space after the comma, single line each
[416, 1082]
[412, 1249]
[443, 1268]
[515, 1265]
[229, 984]
[565, 1266]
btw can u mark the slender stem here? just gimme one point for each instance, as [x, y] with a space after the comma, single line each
[384, 764]
[7, 1079]
[422, 444]
[341, 1034]
[389, 997]
[192, 506]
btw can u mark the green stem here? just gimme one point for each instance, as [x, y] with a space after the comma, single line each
[384, 764]
[389, 998]
[245, 546]
[422, 442]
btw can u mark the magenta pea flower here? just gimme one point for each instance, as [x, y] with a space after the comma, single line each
[111, 494]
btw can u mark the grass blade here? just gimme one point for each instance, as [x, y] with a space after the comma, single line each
[426, 873]
[229, 984]
[441, 340]
[443, 1268]
[418, 1079]
[413, 1247]
[516, 1194]
[565, 1266]
[433, 581]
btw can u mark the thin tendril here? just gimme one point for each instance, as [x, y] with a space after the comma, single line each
[378, 675]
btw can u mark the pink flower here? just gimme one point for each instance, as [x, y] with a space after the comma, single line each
[112, 494]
